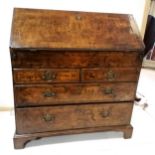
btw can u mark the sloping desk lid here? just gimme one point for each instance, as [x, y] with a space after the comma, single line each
[48, 29]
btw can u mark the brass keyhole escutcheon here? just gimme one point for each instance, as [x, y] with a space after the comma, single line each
[78, 17]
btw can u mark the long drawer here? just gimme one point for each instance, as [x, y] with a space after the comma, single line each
[73, 59]
[34, 95]
[41, 119]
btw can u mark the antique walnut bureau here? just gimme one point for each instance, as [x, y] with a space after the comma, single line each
[73, 72]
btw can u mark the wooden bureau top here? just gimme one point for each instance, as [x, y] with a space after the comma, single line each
[47, 29]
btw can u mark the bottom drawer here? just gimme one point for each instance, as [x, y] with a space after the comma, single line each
[41, 119]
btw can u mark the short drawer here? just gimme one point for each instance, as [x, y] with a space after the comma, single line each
[41, 119]
[110, 74]
[29, 95]
[45, 75]
[74, 59]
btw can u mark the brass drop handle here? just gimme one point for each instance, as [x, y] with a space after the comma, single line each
[49, 94]
[108, 91]
[111, 76]
[106, 113]
[48, 117]
[49, 76]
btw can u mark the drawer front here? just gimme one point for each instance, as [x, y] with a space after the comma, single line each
[45, 75]
[73, 93]
[60, 59]
[112, 74]
[41, 119]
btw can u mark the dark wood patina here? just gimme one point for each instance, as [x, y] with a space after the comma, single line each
[73, 72]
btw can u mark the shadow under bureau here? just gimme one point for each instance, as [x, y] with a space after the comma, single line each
[73, 72]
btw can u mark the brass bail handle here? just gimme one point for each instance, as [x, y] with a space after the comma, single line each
[111, 75]
[105, 113]
[109, 91]
[49, 94]
[49, 76]
[48, 117]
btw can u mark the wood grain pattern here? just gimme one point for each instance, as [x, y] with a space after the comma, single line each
[74, 59]
[76, 30]
[45, 75]
[55, 94]
[73, 72]
[31, 120]
[110, 74]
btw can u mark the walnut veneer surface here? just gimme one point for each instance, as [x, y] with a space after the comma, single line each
[73, 72]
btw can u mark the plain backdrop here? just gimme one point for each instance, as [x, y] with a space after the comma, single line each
[135, 7]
